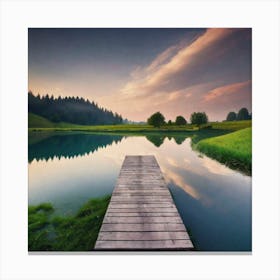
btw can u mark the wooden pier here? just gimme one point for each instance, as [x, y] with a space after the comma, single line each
[141, 214]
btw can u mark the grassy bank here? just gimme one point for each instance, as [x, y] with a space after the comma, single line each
[233, 149]
[38, 123]
[79, 232]
[121, 128]
[232, 126]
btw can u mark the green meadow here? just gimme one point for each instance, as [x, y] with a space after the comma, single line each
[38, 123]
[48, 232]
[233, 149]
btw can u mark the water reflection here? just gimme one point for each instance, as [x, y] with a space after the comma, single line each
[158, 140]
[213, 200]
[68, 146]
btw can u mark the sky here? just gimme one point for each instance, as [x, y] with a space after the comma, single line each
[136, 72]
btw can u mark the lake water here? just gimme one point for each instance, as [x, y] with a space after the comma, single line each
[213, 200]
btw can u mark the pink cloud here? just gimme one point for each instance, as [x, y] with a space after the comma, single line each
[187, 77]
[228, 91]
[173, 61]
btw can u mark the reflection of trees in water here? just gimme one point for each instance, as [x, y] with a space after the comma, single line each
[158, 140]
[179, 139]
[69, 146]
[207, 133]
[196, 136]
[47, 147]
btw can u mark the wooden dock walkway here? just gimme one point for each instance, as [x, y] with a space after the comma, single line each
[141, 214]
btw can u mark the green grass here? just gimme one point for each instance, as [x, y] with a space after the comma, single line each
[234, 125]
[121, 128]
[73, 233]
[37, 123]
[233, 149]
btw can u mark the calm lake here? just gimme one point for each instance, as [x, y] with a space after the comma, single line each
[213, 200]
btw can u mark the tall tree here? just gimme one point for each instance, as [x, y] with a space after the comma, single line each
[231, 116]
[156, 120]
[180, 120]
[243, 114]
[199, 118]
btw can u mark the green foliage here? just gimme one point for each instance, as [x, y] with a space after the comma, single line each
[39, 227]
[233, 149]
[169, 122]
[180, 120]
[156, 120]
[243, 114]
[199, 118]
[74, 233]
[231, 116]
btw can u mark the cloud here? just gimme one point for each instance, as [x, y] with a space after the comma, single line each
[228, 90]
[162, 58]
[187, 76]
[166, 69]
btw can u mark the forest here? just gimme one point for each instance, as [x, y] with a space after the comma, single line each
[74, 110]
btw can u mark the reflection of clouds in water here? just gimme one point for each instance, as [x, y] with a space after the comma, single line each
[214, 167]
[172, 162]
[172, 177]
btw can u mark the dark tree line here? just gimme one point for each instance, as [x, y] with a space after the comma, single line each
[243, 114]
[74, 110]
[158, 119]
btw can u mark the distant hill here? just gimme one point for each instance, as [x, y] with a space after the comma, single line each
[73, 110]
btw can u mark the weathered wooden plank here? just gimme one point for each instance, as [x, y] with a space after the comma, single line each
[141, 220]
[124, 194]
[142, 227]
[146, 208]
[185, 244]
[141, 187]
[141, 205]
[142, 191]
[147, 200]
[142, 214]
[132, 199]
[147, 186]
[142, 210]
[145, 235]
